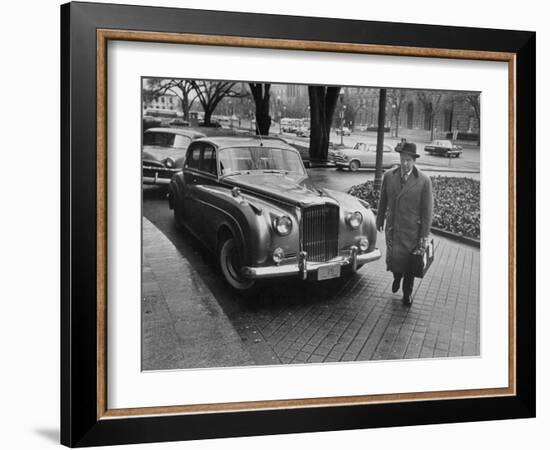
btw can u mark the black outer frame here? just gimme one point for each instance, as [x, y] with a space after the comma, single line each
[79, 425]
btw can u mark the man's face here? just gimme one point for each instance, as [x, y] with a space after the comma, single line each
[407, 162]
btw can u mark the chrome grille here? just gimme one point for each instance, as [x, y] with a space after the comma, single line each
[320, 232]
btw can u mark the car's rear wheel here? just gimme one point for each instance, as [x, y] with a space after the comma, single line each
[230, 262]
[354, 165]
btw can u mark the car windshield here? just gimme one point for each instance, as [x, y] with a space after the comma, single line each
[443, 143]
[170, 140]
[266, 159]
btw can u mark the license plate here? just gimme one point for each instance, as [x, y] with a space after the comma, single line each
[328, 272]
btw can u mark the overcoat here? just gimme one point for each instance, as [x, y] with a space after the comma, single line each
[407, 210]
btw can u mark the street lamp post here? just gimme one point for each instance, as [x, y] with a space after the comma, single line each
[343, 114]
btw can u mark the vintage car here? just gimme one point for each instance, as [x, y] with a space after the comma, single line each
[363, 155]
[178, 123]
[164, 151]
[344, 131]
[303, 131]
[250, 201]
[443, 148]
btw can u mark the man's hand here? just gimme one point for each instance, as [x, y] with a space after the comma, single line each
[380, 227]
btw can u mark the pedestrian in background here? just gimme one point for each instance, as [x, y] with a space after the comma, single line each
[405, 206]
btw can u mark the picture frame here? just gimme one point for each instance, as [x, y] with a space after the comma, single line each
[86, 28]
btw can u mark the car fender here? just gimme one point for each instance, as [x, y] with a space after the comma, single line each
[249, 220]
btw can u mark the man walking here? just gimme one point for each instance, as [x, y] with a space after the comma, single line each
[406, 205]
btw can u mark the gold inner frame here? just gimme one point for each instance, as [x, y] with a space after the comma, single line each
[104, 35]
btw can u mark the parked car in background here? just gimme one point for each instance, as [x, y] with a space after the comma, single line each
[151, 122]
[289, 125]
[363, 155]
[164, 151]
[303, 131]
[345, 131]
[178, 123]
[443, 148]
[250, 201]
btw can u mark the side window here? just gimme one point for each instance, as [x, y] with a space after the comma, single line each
[208, 160]
[193, 157]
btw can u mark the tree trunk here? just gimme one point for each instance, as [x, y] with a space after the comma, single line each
[380, 140]
[322, 102]
[185, 106]
[207, 115]
[261, 94]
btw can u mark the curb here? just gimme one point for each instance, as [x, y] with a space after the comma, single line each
[183, 326]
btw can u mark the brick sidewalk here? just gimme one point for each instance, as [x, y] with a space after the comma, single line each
[192, 320]
[364, 320]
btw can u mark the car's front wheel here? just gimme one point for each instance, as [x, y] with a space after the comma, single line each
[354, 165]
[230, 262]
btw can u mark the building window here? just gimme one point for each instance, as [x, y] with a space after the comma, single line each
[428, 116]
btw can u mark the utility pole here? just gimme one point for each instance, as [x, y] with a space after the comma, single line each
[380, 140]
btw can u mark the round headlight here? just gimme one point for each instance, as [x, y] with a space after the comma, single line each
[169, 162]
[354, 219]
[363, 244]
[282, 225]
[278, 255]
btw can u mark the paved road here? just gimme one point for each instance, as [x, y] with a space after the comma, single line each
[358, 318]
[469, 160]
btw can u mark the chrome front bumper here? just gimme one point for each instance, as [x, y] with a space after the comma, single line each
[156, 180]
[303, 267]
[157, 175]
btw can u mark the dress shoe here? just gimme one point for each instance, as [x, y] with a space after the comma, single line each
[407, 299]
[395, 285]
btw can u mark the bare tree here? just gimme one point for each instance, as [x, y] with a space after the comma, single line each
[210, 93]
[397, 98]
[432, 102]
[260, 93]
[322, 102]
[183, 89]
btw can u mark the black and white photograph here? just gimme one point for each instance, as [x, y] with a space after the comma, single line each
[307, 224]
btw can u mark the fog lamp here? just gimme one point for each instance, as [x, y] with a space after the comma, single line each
[363, 244]
[278, 255]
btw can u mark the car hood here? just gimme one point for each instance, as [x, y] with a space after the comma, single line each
[158, 153]
[291, 189]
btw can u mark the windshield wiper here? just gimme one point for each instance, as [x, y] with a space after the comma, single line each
[275, 171]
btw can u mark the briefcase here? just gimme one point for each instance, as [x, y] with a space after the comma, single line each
[421, 260]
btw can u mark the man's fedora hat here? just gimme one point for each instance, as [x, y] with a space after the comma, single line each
[408, 148]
